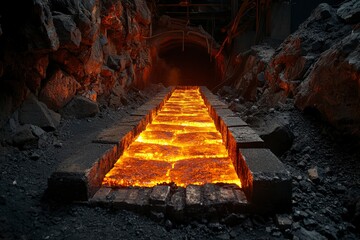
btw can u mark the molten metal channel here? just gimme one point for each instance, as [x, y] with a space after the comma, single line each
[181, 146]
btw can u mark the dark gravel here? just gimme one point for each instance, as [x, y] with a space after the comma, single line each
[324, 208]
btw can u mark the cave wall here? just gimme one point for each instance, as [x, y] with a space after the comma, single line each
[316, 67]
[57, 49]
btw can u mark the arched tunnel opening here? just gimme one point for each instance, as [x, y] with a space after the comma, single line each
[188, 64]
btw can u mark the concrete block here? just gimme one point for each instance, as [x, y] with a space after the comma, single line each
[225, 122]
[231, 121]
[265, 180]
[245, 137]
[241, 137]
[80, 176]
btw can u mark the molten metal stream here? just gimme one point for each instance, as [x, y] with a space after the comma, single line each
[181, 145]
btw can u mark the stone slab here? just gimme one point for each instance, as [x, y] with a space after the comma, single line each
[132, 196]
[265, 180]
[210, 194]
[143, 198]
[218, 114]
[138, 122]
[100, 195]
[215, 103]
[176, 205]
[241, 137]
[246, 137]
[131, 120]
[193, 199]
[114, 134]
[148, 107]
[231, 121]
[79, 176]
[118, 197]
[226, 195]
[140, 112]
[160, 194]
[225, 123]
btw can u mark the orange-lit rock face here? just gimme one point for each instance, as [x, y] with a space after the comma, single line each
[181, 145]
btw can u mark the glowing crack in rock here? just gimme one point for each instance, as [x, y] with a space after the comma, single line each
[181, 146]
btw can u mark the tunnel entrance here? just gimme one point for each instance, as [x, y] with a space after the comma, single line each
[190, 66]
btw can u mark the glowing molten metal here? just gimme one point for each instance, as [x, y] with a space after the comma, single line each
[181, 145]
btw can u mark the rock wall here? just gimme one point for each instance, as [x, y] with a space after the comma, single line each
[58, 49]
[333, 85]
[297, 54]
[318, 65]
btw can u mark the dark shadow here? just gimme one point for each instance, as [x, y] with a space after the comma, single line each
[192, 66]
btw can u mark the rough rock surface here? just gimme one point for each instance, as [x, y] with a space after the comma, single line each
[67, 44]
[350, 12]
[24, 137]
[80, 107]
[69, 34]
[249, 73]
[318, 65]
[34, 112]
[297, 54]
[332, 86]
[276, 133]
[59, 90]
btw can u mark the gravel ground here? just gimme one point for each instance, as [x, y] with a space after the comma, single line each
[327, 207]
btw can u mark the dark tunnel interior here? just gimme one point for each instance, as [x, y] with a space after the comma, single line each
[193, 66]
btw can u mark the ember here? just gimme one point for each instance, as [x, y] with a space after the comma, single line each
[181, 145]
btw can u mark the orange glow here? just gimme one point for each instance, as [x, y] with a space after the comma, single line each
[181, 146]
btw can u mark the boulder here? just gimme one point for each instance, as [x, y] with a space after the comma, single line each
[24, 137]
[295, 57]
[58, 90]
[69, 34]
[350, 11]
[41, 36]
[80, 107]
[332, 87]
[276, 133]
[70, 62]
[36, 113]
[248, 66]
